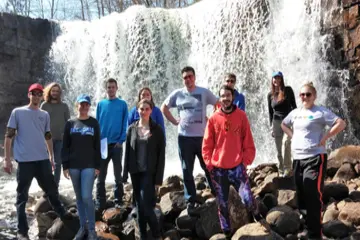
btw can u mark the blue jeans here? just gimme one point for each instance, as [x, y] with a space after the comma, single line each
[83, 183]
[57, 145]
[114, 154]
[144, 191]
[41, 170]
[189, 147]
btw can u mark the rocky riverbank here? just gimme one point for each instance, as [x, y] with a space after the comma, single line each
[276, 197]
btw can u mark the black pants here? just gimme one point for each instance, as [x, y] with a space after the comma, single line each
[144, 189]
[41, 170]
[309, 175]
[114, 154]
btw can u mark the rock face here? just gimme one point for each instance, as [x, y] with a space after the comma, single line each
[24, 44]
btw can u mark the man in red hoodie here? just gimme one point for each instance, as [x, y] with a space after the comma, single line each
[228, 147]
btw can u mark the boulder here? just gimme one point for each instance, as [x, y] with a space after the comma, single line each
[283, 220]
[258, 231]
[185, 221]
[287, 197]
[172, 204]
[101, 227]
[330, 215]
[270, 201]
[345, 173]
[337, 191]
[219, 236]
[44, 222]
[107, 236]
[355, 196]
[113, 216]
[64, 230]
[336, 229]
[171, 184]
[351, 213]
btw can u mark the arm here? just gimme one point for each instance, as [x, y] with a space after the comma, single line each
[160, 121]
[208, 144]
[248, 143]
[131, 117]
[65, 151]
[48, 141]
[98, 112]
[161, 158]
[165, 110]
[242, 102]
[292, 99]
[67, 112]
[97, 147]
[126, 157]
[287, 130]
[124, 124]
[9, 135]
[338, 126]
[271, 111]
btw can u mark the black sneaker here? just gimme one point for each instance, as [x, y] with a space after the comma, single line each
[21, 236]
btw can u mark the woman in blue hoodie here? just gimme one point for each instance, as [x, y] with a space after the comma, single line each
[156, 115]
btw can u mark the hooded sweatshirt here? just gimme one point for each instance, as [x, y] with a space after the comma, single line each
[228, 141]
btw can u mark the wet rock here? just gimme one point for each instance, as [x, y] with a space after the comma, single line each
[287, 197]
[258, 231]
[336, 229]
[283, 220]
[338, 191]
[345, 173]
[330, 215]
[172, 204]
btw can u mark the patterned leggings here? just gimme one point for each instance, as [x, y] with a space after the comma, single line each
[222, 179]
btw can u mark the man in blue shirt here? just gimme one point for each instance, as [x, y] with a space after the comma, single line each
[230, 81]
[112, 115]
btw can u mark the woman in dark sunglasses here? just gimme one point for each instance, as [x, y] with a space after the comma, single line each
[281, 101]
[306, 126]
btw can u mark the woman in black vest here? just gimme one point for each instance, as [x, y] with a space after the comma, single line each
[145, 161]
[281, 101]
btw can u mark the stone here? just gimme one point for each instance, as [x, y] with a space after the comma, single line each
[172, 204]
[283, 220]
[64, 230]
[258, 231]
[107, 236]
[345, 173]
[336, 229]
[200, 182]
[101, 227]
[184, 221]
[353, 16]
[44, 222]
[350, 213]
[171, 235]
[287, 197]
[113, 216]
[270, 201]
[219, 236]
[338, 191]
[330, 215]
[355, 196]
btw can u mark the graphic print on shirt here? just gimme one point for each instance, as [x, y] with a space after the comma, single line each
[190, 109]
[82, 130]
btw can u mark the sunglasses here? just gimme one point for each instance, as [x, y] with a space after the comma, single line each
[37, 94]
[230, 81]
[305, 94]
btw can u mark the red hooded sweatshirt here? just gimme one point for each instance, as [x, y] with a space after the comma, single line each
[228, 140]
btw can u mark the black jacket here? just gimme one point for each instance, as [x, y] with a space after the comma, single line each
[279, 110]
[155, 152]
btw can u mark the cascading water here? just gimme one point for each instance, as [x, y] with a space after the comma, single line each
[148, 47]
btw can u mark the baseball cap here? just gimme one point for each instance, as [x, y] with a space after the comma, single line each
[83, 98]
[277, 74]
[36, 86]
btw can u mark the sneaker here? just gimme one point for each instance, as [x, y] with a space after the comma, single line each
[80, 234]
[92, 235]
[21, 236]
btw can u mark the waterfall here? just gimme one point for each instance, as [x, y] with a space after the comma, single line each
[148, 47]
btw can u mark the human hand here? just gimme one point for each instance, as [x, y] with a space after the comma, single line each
[97, 172]
[322, 142]
[8, 167]
[66, 174]
[51, 159]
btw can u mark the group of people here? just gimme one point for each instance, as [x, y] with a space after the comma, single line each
[222, 142]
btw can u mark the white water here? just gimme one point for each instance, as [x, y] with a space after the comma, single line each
[148, 47]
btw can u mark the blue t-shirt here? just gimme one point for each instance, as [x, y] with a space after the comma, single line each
[239, 100]
[308, 129]
[112, 115]
[31, 126]
[191, 107]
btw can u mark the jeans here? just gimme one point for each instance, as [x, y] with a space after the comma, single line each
[41, 170]
[83, 183]
[144, 191]
[189, 147]
[114, 154]
[222, 179]
[57, 145]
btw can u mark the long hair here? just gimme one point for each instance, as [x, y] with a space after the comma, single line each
[281, 95]
[47, 91]
[147, 89]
